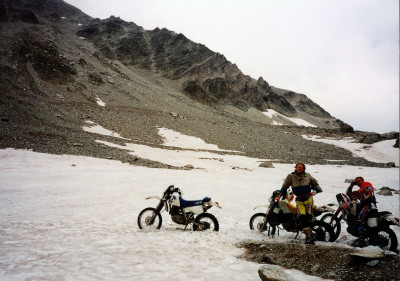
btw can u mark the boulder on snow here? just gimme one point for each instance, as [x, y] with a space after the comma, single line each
[390, 165]
[188, 167]
[385, 191]
[387, 188]
[390, 135]
[266, 165]
[270, 272]
[371, 138]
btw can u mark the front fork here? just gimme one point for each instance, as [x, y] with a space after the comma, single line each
[157, 211]
[336, 215]
[270, 210]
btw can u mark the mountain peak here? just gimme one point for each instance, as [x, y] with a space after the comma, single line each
[60, 68]
[205, 76]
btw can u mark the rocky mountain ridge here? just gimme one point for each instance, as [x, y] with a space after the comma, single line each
[60, 68]
[205, 76]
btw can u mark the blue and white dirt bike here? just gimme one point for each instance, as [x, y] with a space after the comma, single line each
[182, 211]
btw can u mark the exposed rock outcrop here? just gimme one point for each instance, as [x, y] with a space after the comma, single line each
[205, 76]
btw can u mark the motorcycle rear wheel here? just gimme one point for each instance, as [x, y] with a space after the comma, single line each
[384, 238]
[335, 223]
[205, 222]
[321, 231]
[145, 216]
[257, 221]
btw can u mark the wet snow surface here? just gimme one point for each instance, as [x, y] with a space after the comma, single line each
[75, 218]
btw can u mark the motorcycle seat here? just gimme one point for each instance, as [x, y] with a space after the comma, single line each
[191, 203]
[384, 213]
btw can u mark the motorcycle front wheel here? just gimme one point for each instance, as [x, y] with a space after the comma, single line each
[204, 222]
[257, 222]
[384, 238]
[321, 231]
[149, 219]
[335, 223]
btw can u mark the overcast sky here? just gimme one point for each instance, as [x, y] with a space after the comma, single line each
[343, 54]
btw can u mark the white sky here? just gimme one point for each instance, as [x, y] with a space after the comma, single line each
[343, 54]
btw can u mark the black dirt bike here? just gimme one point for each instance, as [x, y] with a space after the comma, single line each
[377, 227]
[182, 211]
[283, 213]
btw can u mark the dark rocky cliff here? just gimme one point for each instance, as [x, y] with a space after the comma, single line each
[204, 75]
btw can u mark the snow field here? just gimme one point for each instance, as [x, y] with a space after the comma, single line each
[75, 218]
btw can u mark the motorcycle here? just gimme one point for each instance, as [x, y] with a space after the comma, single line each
[377, 227]
[281, 212]
[182, 211]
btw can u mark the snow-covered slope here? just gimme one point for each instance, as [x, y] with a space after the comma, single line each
[380, 152]
[272, 114]
[75, 218]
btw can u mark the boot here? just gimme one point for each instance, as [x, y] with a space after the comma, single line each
[307, 232]
[309, 241]
[360, 243]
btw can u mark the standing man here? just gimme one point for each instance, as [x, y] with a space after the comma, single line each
[302, 185]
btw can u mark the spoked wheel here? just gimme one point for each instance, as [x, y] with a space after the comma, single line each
[335, 223]
[321, 231]
[205, 222]
[149, 219]
[257, 222]
[384, 238]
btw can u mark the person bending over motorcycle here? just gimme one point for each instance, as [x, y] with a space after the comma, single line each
[367, 200]
[302, 185]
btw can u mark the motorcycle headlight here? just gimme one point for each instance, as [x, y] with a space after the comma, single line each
[372, 222]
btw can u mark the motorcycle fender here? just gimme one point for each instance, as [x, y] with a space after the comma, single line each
[153, 197]
[261, 206]
[195, 209]
[216, 204]
[390, 218]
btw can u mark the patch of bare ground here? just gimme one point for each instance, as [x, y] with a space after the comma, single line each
[335, 263]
